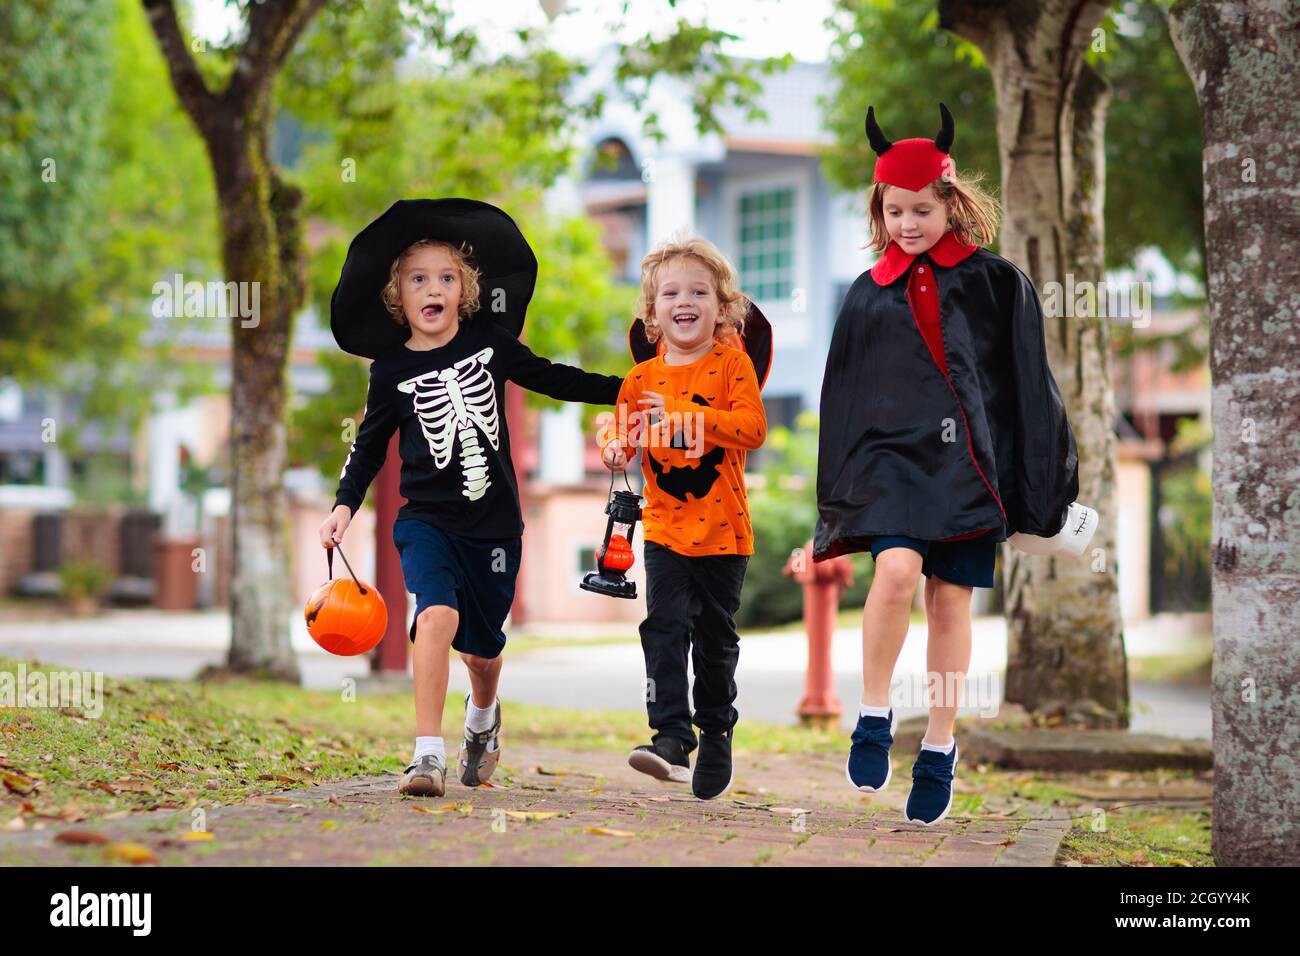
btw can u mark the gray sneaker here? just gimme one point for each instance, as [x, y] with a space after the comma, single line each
[476, 761]
[426, 777]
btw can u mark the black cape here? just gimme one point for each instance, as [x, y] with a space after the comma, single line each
[904, 450]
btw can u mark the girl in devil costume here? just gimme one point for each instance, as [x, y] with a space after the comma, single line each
[942, 434]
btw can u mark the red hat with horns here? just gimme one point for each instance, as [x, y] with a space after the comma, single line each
[911, 163]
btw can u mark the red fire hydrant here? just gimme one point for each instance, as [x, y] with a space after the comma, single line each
[823, 583]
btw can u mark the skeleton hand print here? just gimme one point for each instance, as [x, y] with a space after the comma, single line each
[459, 401]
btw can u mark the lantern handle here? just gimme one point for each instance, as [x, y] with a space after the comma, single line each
[625, 481]
[329, 560]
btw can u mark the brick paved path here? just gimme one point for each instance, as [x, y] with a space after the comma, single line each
[573, 807]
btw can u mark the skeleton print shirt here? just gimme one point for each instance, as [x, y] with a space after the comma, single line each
[449, 405]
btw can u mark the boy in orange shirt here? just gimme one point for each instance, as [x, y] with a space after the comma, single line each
[694, 410]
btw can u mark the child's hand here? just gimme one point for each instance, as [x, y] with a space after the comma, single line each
[654, 406]
[331, 532]
[613, 456]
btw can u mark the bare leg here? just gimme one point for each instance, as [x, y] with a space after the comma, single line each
[435, 629]
[947, 654]
[885, 619]
[484, 675]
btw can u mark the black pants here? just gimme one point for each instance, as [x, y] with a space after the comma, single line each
[690, 603]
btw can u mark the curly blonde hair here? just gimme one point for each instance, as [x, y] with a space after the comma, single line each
[732, 304]
[972, 212]
[462, 257]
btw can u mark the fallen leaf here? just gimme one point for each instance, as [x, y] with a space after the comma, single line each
[19, 784]
[132, 853]
[793, 811]
[550, 773]
[533, 814]
[80, 837]
[169, 766]
[134, 786]
[993, 842]
[419, 809]
[278, 800]
[605, 831]
[198, 836]
[329, 825]
[277, 776]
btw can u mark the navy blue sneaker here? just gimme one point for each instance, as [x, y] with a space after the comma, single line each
[868, 768]
[931, 796]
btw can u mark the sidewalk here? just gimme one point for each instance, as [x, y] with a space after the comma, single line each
[552, 806]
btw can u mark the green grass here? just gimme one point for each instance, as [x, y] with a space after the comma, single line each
[169, 744]
[1192, 667]
[1133, 836]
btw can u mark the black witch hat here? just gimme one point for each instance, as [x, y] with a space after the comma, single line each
[756, 342]
[362, 324]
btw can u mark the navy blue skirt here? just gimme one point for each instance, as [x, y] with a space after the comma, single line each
[476, 577]
[969, 562]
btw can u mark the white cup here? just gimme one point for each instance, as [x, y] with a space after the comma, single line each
[1071, 541]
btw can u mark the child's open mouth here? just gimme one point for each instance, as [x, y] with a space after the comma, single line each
[432, 311]
[685, 319]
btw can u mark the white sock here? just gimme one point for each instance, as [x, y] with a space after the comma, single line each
[865, 711]
[429, 746]
[940, 748]
[479, 719]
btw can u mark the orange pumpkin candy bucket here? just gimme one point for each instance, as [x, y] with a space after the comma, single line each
[345, 616]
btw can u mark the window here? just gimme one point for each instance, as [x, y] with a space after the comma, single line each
[767, 244]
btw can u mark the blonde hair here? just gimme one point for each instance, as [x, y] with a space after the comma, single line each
[732, 304]
[972, 212]
[461, 257]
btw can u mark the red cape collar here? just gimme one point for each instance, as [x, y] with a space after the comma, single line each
[947, 252]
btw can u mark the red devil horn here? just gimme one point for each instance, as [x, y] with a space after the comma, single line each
[943, 142]
[875, 136]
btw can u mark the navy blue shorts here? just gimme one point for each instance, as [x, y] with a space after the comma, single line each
[476, 577]
[969, 562]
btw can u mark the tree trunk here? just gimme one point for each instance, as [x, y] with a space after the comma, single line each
[1240, 56]
[261, 243]
[1065, 648]
[261, 250]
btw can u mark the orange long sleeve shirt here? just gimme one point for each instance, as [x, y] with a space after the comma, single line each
[693, 458]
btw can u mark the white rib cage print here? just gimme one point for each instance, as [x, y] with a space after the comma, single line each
[459, 401]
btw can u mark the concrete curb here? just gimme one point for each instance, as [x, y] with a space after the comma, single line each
[1038, 842]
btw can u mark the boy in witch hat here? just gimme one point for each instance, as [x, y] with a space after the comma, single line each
[435, 291]
[942, 434]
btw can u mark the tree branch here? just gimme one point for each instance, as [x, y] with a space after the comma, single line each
[196, 99]
[273, 30]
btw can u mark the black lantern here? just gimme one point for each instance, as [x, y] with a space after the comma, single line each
[615, 555]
